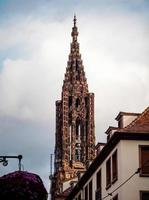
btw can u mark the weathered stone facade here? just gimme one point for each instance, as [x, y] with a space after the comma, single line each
[75, 136]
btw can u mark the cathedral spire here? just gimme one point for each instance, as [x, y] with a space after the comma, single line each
[75, 69]
[74, 32]
[75, 136]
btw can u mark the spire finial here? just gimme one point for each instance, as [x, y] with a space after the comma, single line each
[74, 19]
[74, 32]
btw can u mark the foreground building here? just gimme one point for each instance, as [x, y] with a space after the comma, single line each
[75, 136]
[121, 169]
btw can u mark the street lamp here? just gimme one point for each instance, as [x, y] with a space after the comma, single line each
[4, 161]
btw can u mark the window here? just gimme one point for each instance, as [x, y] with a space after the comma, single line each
[144, 195]
[70, 101]
[70, 138]
[115, 197]
[98, 186]
[114, 167]
[77, 76]
[108, 173]
[90, 190]
[144, 160]
[86, 101]
[86, 192]
[77, 102]
[79, 197]
[78, 130]
[98, 179]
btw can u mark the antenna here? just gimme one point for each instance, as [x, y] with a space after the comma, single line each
[51, 165]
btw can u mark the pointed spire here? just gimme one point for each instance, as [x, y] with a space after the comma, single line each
[74, 20]
[75, 69]
[74, 32]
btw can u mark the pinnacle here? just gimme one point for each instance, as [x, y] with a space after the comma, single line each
[74, 32]
[74, 20]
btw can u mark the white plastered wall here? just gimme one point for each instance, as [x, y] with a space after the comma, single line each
[128, 162]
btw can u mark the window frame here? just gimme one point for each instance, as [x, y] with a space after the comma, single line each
[108, 173]
[114, 164]
[115, 197]
[98, 184]
[79, 197]
[142, 174]
[86, 192]
[98, 179]
[90, 190]
[141, 193]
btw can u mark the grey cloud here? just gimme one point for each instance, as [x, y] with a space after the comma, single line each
[32, 140]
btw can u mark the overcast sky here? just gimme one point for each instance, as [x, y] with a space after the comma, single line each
[35, 41]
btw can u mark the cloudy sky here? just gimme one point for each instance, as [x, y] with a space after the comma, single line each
[35, 41]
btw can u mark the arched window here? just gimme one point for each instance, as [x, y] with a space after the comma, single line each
[70, 142]
[77, 66]
[77, 102]
[77, 76]
[78, 130]
[86, 101]
[78, 140]
[70, 101]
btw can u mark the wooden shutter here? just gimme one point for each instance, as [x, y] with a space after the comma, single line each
[144, 160]
[108, 174]
[98, 185]
[90, 190]
[114, 167]
[116, 197]
[144, 195]
[86, 192]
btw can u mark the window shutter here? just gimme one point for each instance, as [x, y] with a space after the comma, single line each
[108, 173]
[90, 190]
[145, 160]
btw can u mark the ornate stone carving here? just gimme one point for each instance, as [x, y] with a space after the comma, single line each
[75, 136]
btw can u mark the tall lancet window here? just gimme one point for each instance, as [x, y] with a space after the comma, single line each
[70, 142]
[78, 140]
[78, 130]
[70, 101]
[77, 102]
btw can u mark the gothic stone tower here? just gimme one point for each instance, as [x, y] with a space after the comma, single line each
[75, 136]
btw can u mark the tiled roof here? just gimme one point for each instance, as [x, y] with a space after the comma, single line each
[140, 124]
